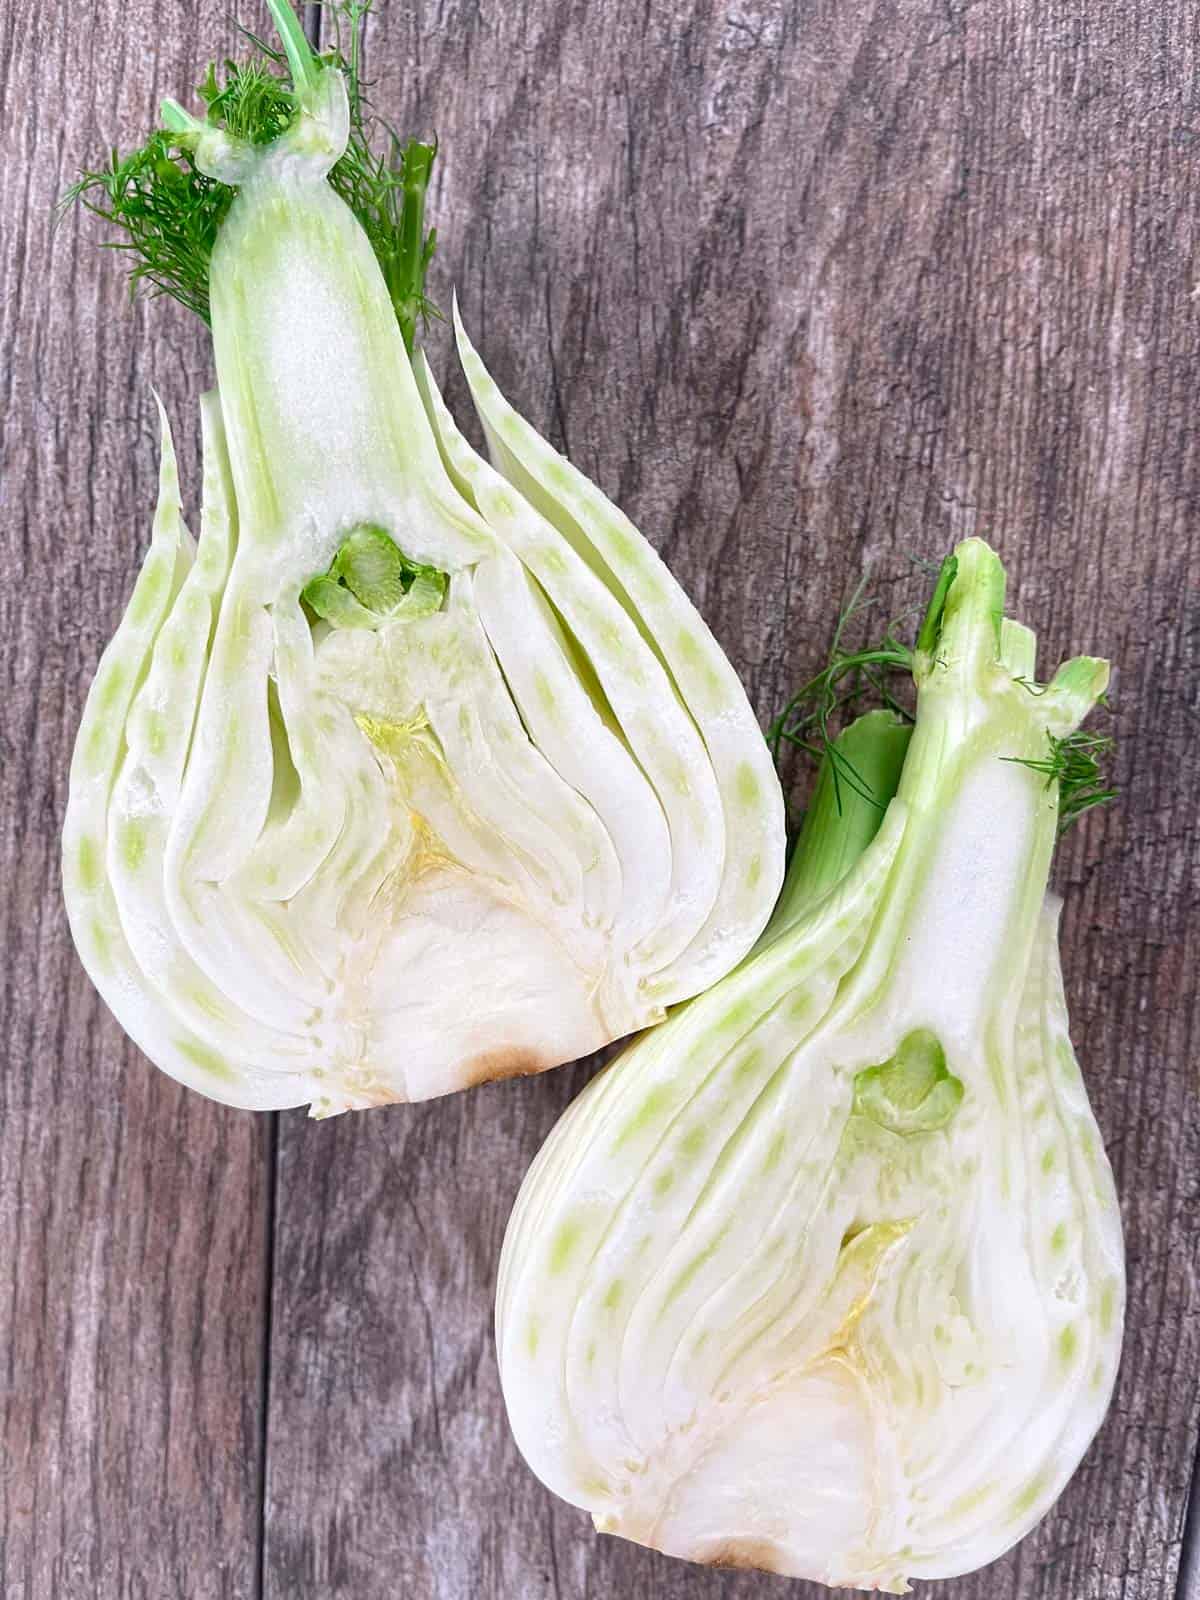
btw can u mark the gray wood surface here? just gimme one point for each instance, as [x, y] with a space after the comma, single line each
[133, 1216]
[805, 287]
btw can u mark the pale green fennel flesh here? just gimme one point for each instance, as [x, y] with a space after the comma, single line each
[392, 786]
[824, 1275]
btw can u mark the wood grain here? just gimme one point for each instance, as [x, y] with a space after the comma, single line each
[806, 286]
[133, 1214]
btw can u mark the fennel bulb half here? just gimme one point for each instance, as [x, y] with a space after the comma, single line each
[414, 770]
[824, 1275]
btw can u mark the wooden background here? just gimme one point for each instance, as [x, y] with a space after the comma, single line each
[804, 286]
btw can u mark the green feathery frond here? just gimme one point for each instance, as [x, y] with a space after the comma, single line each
[1077, 764]
[853, 681]
[169, 213]
[813, 716]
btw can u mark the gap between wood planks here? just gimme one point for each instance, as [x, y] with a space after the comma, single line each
[1188, 1586]
[312, 28]
[270, 1186]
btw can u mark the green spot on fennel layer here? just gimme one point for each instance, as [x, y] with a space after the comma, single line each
[775, 1151]
[623, 544]
[101, 950]
[200, 1055]
[800, 1005]
[747, 785]
[1028, 1497]
[689, 1273]
[98, 747]
[88, 866]
[655, 1103]
[966, 1503]
[693, 1142]
[680, 779]
[562, 1246]
[1068, 1343]
[738, 1016]
[155, 733]
[998, 1079]
[240, 636]
[614, 1294]
[148, 593]
[545, 690]
[133, 843]
[609, 632]
[749, 1063]
[1058, 1239]
[1088, 1145]
[209, 1004]
[694, 658]
[110, 688]
[689, 648]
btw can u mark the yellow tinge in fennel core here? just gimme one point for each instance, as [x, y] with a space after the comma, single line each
[824, 1275]
[415, 769]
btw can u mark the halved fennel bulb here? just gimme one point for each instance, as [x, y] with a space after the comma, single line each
[824, 1275]
[414, 770]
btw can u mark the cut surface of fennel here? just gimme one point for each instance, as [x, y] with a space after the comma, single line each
[322, 850]
[824, 1275]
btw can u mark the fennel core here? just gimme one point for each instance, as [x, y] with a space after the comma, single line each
[169, 209]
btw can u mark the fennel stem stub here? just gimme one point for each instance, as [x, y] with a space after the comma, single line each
[416, 769]
[825, 1275]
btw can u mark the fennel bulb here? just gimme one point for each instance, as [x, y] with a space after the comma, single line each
[414, 770]
[824, 1275]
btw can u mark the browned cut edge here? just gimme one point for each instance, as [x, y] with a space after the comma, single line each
[748, 1555]
[509, 1061]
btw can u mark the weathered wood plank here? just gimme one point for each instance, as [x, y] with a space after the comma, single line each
[804, 286]
[133, 1214]
[801, 288]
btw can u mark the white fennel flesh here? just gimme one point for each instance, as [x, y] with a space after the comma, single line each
[415, 769]
[824, 1275]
